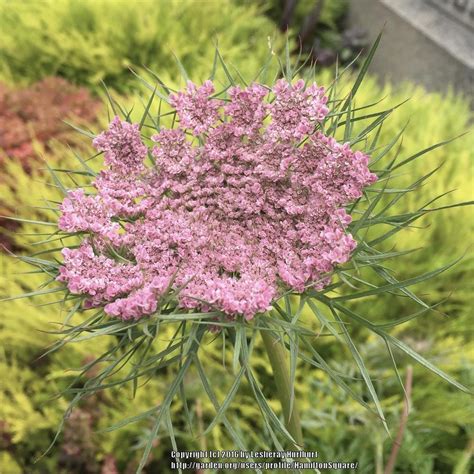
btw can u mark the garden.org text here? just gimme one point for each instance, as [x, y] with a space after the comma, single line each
[264, 460]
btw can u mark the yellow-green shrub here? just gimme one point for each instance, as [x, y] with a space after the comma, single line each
[90, 41]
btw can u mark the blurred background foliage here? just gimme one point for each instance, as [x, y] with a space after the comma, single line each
[319, 27]
[86, 42]
[91, 41]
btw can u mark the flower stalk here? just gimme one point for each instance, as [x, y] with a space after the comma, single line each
[281, 373]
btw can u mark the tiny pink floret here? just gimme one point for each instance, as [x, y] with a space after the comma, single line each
[252, 207]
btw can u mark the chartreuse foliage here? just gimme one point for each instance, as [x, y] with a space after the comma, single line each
[322, 330]
[91, 41]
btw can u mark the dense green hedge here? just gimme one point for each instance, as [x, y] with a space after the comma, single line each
[89, 41]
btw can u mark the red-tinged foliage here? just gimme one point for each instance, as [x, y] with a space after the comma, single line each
[37, 113]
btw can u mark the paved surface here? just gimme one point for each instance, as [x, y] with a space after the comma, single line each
[423, 41]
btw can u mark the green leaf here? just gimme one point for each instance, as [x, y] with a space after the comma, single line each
[424, 151]
[228, 399]
[363, 370]
[398, 285]
[147, 109]
[362, 71]
[190, 350]
[402, 346]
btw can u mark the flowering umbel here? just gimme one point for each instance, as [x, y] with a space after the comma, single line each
[246, 199]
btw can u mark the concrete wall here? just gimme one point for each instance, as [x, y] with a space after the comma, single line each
[421, 43]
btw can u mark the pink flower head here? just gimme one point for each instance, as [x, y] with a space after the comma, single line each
[247, 109]
[228, 222]
[123, 149]
[81, 213]
[296, 110]
[196, 110]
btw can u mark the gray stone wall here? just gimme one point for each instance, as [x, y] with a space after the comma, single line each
[430, 42]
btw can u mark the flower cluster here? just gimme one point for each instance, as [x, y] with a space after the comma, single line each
[246, 199]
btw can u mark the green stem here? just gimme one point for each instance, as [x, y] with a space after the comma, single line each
[281, 373]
